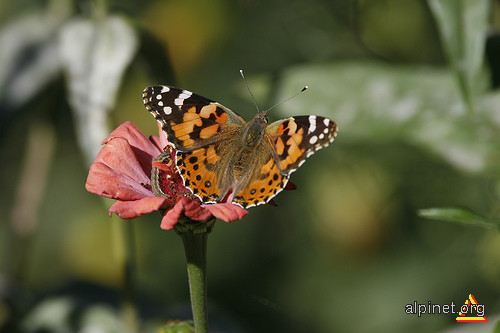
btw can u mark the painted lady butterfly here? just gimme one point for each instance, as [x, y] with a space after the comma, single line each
[219, 152]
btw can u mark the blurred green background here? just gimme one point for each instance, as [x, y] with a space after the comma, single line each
[412, 85]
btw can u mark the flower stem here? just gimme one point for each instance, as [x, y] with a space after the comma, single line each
[194, 236]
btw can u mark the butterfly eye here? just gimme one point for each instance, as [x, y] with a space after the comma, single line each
[262, 117]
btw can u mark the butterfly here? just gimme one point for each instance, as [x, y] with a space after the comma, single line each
[219, 153]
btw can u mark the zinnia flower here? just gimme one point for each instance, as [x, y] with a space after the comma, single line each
[122, 171]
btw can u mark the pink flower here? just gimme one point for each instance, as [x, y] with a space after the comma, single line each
[122, 171]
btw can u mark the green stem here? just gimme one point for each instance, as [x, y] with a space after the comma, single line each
[194, 237]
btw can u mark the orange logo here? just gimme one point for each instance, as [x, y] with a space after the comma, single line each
[471, 312]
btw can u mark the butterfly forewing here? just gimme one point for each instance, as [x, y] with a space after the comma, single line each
[296, 138]
[190, 120]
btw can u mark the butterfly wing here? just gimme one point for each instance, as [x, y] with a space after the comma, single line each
[289, 142]
[264, 182]
[190, 120]
[296, 138]
[200, 129]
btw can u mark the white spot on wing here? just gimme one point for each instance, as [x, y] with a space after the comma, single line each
[165, 89]
[167, 110]
[179, 101]
[158, 96]
[160, 103]
[313, 139]
[312, 124]
[185, 94]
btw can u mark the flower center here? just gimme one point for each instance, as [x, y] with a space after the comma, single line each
[166, 181]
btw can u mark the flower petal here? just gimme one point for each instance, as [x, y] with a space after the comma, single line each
[132, 209]
[144, 150]
[290, 186]
[157, 142]
[117, 174]
[227, 212]
[190, 208]
[194, 210]
[160, 141]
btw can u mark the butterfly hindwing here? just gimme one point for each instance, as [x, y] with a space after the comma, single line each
[263, 187]
[197, 176]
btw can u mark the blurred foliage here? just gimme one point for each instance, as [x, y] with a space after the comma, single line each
[177, 326]
[462, 25]
[460, 215]
[417, 109]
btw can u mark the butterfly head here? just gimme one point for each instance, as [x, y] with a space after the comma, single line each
[262, 117]
[254, 130]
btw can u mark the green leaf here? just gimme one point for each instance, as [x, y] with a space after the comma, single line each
[462, 25]
[458, 215]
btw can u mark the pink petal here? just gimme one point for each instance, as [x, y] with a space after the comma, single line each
[107, 182]
[157, 142]
[195, 211]
[290, 186]
[117, 174]
[132, 209]
[227, 212]
[162, 140]
[144, 150]
[190, 208]
[163, 137]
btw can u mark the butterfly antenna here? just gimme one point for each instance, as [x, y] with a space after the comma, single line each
[286, 100]
[246, 83]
